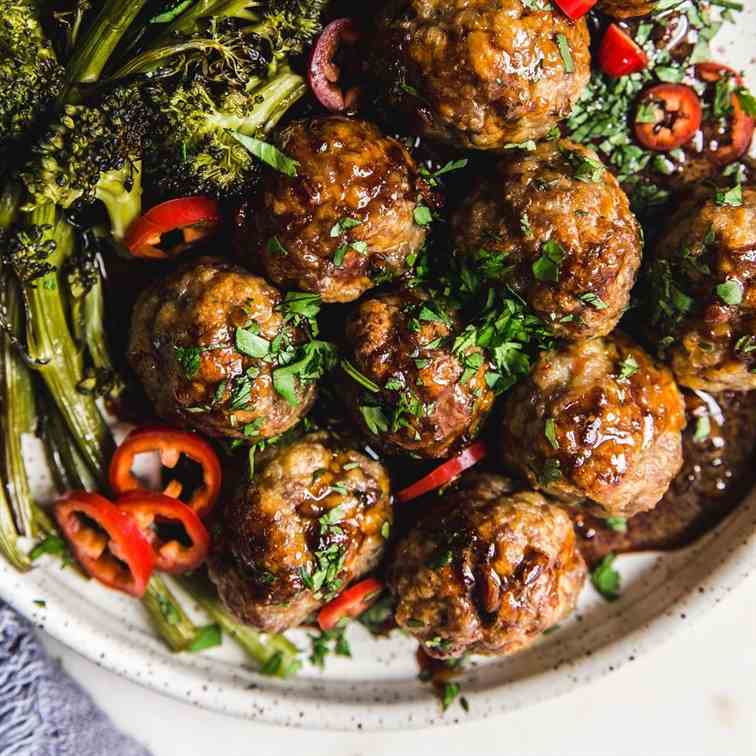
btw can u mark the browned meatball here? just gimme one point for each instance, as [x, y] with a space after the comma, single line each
[346, 220]
[597, 423]
[481, 74]
[313, 519]
[702, 292]
[627, 8]
[564, 232]
[206, 343]
[487, 571]
[429, 398]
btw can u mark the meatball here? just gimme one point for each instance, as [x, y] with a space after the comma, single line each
[487, 571]
[627, 8]
[312, 520]
[564, 232]
[427, 398]
[701, 292]
[596, 423]
[480, 74]
[346, 220]
[206, 342]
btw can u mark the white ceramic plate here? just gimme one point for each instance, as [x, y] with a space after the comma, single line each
[379, 689]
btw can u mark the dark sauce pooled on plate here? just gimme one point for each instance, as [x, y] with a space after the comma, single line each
[719, 468]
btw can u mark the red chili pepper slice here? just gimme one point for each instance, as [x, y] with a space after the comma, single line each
[322, 72]
[741, 124]
[619, 54]
[575, 9]
[445, 472]
[151, 511]
[351, 603]
[106, 541]
[677, 113]
[170, 444]
[196, 218]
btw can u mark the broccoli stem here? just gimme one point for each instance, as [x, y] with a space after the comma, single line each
[50, 343]
[18, 415]
[272, 99]
[93, 52]
[186, 22]
[260, 647]
[170, 620]
[123, 206]
[9, 536]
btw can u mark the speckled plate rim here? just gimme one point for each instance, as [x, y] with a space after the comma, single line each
[704, 574]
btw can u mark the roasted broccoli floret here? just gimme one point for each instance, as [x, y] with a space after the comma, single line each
[194, 151]
[93, 153]
[30, 76]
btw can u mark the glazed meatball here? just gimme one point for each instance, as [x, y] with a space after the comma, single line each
[565, 234]
[310, 522]
[429, 399]
[627, 8]
[206, 342]
[480, 74]
[599, 424]
[346, 220]
[701, 292]
[487, 572]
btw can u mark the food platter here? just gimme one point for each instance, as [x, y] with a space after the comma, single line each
[379, 687]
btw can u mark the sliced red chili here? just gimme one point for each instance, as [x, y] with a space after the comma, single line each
[179, 540]
[445, 472]
[668, 115]
[170, 444]
[741, 125]
[106, 541]
[192, 219]
[324, 74]
[619, 54]
[575, 9]
[351, 603]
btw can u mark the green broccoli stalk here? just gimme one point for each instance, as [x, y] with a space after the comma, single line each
[37, 253]
[30, 77]
[194, 151]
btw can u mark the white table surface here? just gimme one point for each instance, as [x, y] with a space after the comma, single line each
[694, 695]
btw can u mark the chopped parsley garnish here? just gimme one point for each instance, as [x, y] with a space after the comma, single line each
[592, 300]
[311, 362]
[547, 266]
[267, 153]
[250, 343]
[730, 197]
[375, 419]
[386, 530]
[52, 544]
[422, 215]
[551, 472]
[703, 429]
[628, 367]
[357, 376]
[275, 247]
[449, 694]
[434, 176]
[565, 52]
[605, 579]
[343, 225]
[550, 432]
[617, 524]
[527, 231]
[440, 559]
[730, 292]
[584, 168]
[328, 642]
[188, 359]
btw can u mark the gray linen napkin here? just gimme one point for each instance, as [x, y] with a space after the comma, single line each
[43, 712]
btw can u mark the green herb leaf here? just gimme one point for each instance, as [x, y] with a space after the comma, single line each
[605, 579]
[188, 359]
[593, 300]
[267, 153]
[53, 545]
[617, 524]
[628, 367]
[551, 472]
[342, 225]
[422, 215]
[275, 247]
[375, 419]
[357, 376]
[249, 343]
[550, 432]
[730, 198]
[450, 693]
[566, 53]
[730, 292]
[703, 429]
[547, 266]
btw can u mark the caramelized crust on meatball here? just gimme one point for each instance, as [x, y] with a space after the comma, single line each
[430, 398]
[309, 523]
[480, 74]
[487, 572]
[184, 348]
[564, 232]
[702, 293]
[345, 221]
[627, 8]
[597, 423]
